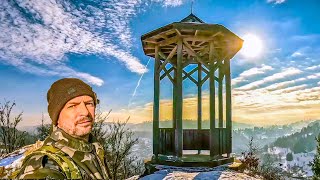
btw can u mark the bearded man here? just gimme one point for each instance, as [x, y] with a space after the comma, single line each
[70, 151]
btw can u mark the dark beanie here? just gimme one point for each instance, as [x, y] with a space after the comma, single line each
[63, 91]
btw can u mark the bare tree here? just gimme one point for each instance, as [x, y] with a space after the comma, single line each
[118, 142]
[250, 159]
[9, 135]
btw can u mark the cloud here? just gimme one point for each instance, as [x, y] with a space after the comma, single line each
[284, 74]
[276, 1]
[297, 54]
[256, 107]
[36, 36]
[313, 67]
[251, 72]
[171, 2]
[308, 37]
[283, 84]
[290, 89]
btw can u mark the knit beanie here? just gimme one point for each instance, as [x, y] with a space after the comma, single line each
[64, 90]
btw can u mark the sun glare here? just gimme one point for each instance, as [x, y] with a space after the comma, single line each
[252, 46]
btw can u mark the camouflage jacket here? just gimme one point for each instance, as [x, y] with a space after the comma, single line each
[65, 157]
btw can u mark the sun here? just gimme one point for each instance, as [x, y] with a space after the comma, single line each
[252, 46]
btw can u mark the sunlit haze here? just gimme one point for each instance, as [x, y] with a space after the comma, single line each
[252, 46]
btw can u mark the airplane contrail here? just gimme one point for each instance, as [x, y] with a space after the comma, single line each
[138, 84]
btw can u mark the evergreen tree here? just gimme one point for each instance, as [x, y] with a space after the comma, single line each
[43, 131]
[315, 164]
[289, 157]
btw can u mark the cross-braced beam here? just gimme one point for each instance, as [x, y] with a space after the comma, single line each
[172, 53]
[189, 49]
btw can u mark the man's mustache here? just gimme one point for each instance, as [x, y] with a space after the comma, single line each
[84, 119]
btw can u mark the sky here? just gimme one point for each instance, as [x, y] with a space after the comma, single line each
[99, 42]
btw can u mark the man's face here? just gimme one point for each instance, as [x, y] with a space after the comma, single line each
[77, 116]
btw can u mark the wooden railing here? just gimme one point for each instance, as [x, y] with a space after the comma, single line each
[193, 139]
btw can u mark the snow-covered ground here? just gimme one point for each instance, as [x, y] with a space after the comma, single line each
[196, 173]
[300, 160]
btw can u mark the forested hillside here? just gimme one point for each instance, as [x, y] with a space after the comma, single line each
[302, 141]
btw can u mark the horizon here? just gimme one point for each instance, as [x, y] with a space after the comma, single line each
[275, 77]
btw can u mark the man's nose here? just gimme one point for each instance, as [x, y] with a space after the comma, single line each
[83, 109]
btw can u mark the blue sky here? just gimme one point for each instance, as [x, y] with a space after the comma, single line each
[99, 42]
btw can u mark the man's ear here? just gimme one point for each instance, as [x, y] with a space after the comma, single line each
[97, 101]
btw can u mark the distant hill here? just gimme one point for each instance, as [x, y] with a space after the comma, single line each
[187, 124]
[301, 141]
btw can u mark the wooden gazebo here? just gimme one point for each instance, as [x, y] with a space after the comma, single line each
[210, 47]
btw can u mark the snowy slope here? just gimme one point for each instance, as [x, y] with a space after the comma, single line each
[197, 173]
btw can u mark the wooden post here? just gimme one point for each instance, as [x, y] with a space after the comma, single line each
[156, 103]
[212, 106]
[199, 100]
[228, 106]
[220, 95]
[179, 130]
[174, 107]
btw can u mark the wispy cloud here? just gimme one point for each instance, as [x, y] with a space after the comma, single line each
[307, 37]
[283, 84]
[284, 74]
[313, 67]
[173, 2]
[251, 72]
[290, 89]
[36, 36]
[296, 54]
[276, 1]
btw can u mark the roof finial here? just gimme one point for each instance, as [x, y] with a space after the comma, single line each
[191, 6]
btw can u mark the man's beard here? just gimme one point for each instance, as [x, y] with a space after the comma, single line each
[79, 131]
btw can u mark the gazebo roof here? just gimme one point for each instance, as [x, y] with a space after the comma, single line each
[197, 33]
[192, 19]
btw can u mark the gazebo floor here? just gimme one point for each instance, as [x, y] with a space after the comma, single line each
[192, 160]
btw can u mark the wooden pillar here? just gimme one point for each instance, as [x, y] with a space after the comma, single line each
[212, 106]
[178, 114]
[156, 103]
[228, 106]
[199, 99]
[174, 107]
[199, 95]
[220, 94]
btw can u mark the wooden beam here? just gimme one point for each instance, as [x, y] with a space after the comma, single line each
[164, 74]
[199, 85]
[203, 42]
[190, 50]
[172, 53]
[190, 77]
[168, 74]
[156, 104]
[214, 144]
[228, 106]
[153, 41]
[149, 46]
[207, 77]
[205, 71]
[197, 38]
[215, 66]
[179, 130]
[193, 70]
[195, 34]
[220, 97]
[178, 32]
[168, 41]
